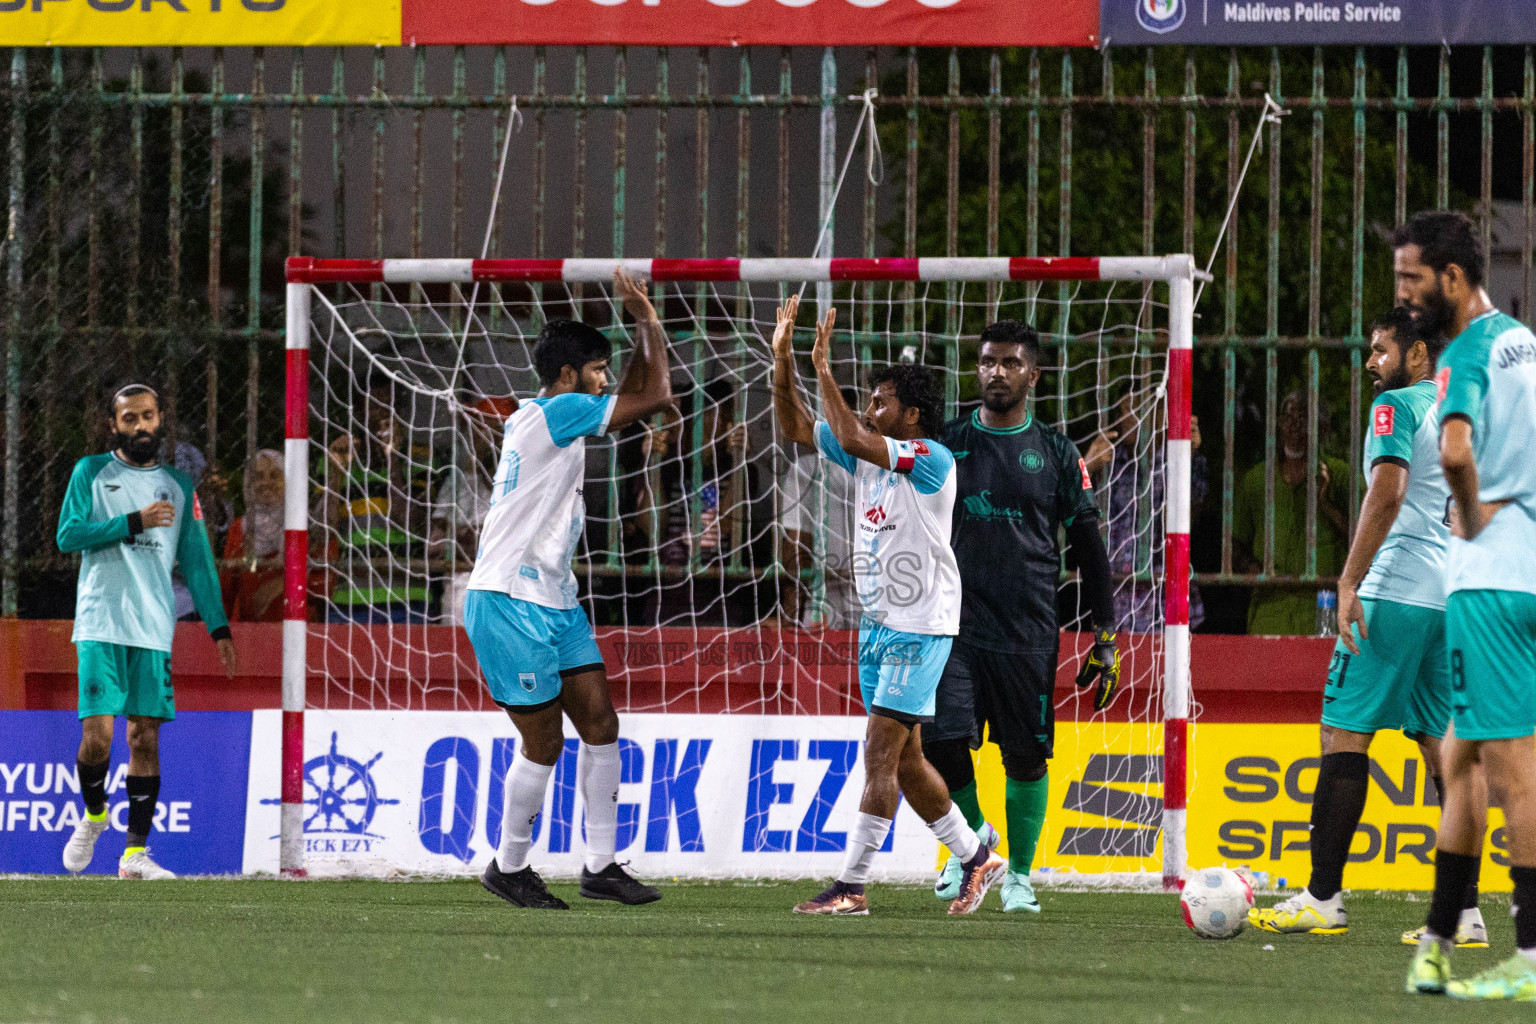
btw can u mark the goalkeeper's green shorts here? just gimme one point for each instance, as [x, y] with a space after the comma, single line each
[120, 680]
[1399, 680]
[1491, 635]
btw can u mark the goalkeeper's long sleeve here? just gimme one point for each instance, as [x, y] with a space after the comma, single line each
[1093, 567]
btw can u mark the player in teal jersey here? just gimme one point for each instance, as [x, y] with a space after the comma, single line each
[132, 520]
[1487, 387]
[1393, 674]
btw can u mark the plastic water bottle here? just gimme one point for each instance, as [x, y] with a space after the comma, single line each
[1327, 613]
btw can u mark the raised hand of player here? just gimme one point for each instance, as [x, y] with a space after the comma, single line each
[157, 514]
[784, 332]
[821, 352]
[631, 291]
[1351, 613]
[1101, 670]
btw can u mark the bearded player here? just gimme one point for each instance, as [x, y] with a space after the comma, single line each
[1019, 481]
[1389, 667]
[132, 520]
[909, 590]
[1487, 421]
[530, 635]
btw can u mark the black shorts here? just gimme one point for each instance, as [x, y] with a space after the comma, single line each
[1012, 695]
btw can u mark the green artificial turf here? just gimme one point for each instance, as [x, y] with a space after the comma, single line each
[102, 950]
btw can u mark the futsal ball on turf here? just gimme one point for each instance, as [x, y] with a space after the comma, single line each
[1216, 902]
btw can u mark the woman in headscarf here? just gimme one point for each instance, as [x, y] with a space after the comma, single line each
[256, 540]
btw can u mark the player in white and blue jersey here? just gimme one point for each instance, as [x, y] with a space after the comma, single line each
[909, 587]
[1487, 388]
[132, 520]
[531, 637]
[1389, 667]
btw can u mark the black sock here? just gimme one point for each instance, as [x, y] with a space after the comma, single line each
[852, 888]
[1452, 872]
[1336, 809]
[93, 785]
[143, 791]
[1525, 906]
[1470, 902]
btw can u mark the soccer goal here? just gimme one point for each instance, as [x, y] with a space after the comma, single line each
[715, 564]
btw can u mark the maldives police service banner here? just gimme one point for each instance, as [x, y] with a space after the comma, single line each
[1316, 22]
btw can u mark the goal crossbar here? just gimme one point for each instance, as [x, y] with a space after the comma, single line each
[1178, 271]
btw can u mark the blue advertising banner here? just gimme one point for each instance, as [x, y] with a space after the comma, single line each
[1347, 22]
[200, 818]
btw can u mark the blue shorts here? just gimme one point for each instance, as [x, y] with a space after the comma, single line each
[899, 672]
[1491, 635]
[524, 649]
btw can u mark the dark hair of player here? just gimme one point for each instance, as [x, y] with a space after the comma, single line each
[1445, 237]
[917, 388]
[129, 391]
[1405, 330]
[565, 343]
[1014, 332]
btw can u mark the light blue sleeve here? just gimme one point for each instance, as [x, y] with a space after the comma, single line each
[1394, 421]
[826, 443]
[574, 415]
[928, 463]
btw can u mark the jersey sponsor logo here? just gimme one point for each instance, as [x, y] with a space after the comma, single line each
[1087, 480]
[876, 515]
[1382, 420]
[1442, 383]
[112, 487]
[1031, 460]
[920, 448]
[979, 506]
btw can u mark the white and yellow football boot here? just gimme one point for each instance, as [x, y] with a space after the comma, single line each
[1471, 932]
[1302, 914]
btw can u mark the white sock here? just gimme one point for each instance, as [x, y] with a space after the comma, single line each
[955, 834]
[526, 784]
[597, 773]
[1469, 915]
[1529, 954]
[864, 839]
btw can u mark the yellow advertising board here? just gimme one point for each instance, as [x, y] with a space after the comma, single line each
[199, 22]
[1250, 800]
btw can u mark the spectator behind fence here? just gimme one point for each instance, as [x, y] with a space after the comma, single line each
[463, 497]
[375, 501]
[804, 515]
[1134, 491]
[1291, 610]
[254, 590]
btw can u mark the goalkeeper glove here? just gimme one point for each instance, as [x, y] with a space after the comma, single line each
[1101, 670]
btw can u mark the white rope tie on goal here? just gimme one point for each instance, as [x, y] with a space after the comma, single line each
[1271, 114]
[874, 163]
[514, 118]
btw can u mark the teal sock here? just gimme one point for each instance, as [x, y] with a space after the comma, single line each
[1025, 803]
[969, 806]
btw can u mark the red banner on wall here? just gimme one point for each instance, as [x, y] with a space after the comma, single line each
[755, 22]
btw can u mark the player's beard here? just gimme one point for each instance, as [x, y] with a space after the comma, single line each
[1398, 378]
[1001, 400]
[141, 446]
[1434, 314]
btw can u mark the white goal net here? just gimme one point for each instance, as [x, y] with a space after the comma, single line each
[715, 565]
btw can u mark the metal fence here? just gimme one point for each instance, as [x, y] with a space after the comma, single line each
[153, 194]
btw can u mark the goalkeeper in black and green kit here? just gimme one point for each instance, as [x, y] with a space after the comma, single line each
[132, 520]
[1019, 481]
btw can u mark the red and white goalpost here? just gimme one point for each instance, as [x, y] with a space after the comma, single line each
[376, 332]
